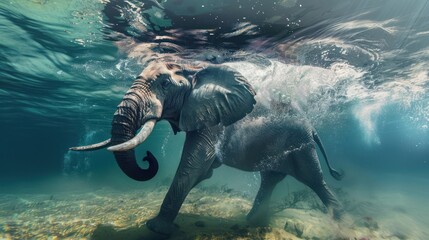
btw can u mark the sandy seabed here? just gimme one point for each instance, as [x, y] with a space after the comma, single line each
[208, 213]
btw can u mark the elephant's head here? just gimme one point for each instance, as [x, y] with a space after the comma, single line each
[188, 98]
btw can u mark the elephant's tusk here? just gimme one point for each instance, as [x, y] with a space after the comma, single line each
[91, 147]
[139, 138]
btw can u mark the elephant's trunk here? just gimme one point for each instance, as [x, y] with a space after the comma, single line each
[124, 126]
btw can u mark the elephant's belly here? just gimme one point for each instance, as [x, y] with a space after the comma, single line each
[250, 154]
[261, 144]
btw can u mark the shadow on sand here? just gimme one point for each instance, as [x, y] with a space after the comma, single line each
[188, 226]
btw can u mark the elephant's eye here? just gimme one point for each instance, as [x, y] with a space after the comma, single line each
[166, 83]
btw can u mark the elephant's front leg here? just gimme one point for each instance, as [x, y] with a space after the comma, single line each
[197, 158]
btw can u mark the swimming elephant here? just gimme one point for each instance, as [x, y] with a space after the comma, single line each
[224, 124]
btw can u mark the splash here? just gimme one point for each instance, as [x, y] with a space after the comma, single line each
[367, 115]
[316, 90]
[326, 93]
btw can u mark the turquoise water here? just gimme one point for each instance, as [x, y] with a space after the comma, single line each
[359, 71]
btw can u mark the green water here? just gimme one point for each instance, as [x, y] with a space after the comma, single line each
[359, 70]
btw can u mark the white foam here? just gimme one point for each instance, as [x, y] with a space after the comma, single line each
[318, 90]
[367, 114]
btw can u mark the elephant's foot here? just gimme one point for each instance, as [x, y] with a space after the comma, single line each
[148, 234]
[160, 226]
[338, 213]
[258, 218]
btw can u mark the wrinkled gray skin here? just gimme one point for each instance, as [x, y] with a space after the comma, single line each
[224, 125]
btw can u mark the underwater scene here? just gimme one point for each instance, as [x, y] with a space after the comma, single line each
[203, 119]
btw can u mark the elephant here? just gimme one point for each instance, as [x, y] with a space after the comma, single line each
[225, 123]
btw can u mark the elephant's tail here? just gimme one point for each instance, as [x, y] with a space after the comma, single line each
[336, 174]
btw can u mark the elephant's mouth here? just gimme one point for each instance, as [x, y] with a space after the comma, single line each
[145, 131]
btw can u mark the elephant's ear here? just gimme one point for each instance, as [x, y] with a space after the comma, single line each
[219, 95]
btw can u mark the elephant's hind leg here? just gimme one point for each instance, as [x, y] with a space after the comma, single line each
[309, 172]
[259, 214]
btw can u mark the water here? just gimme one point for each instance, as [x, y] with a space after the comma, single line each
[358, 70]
